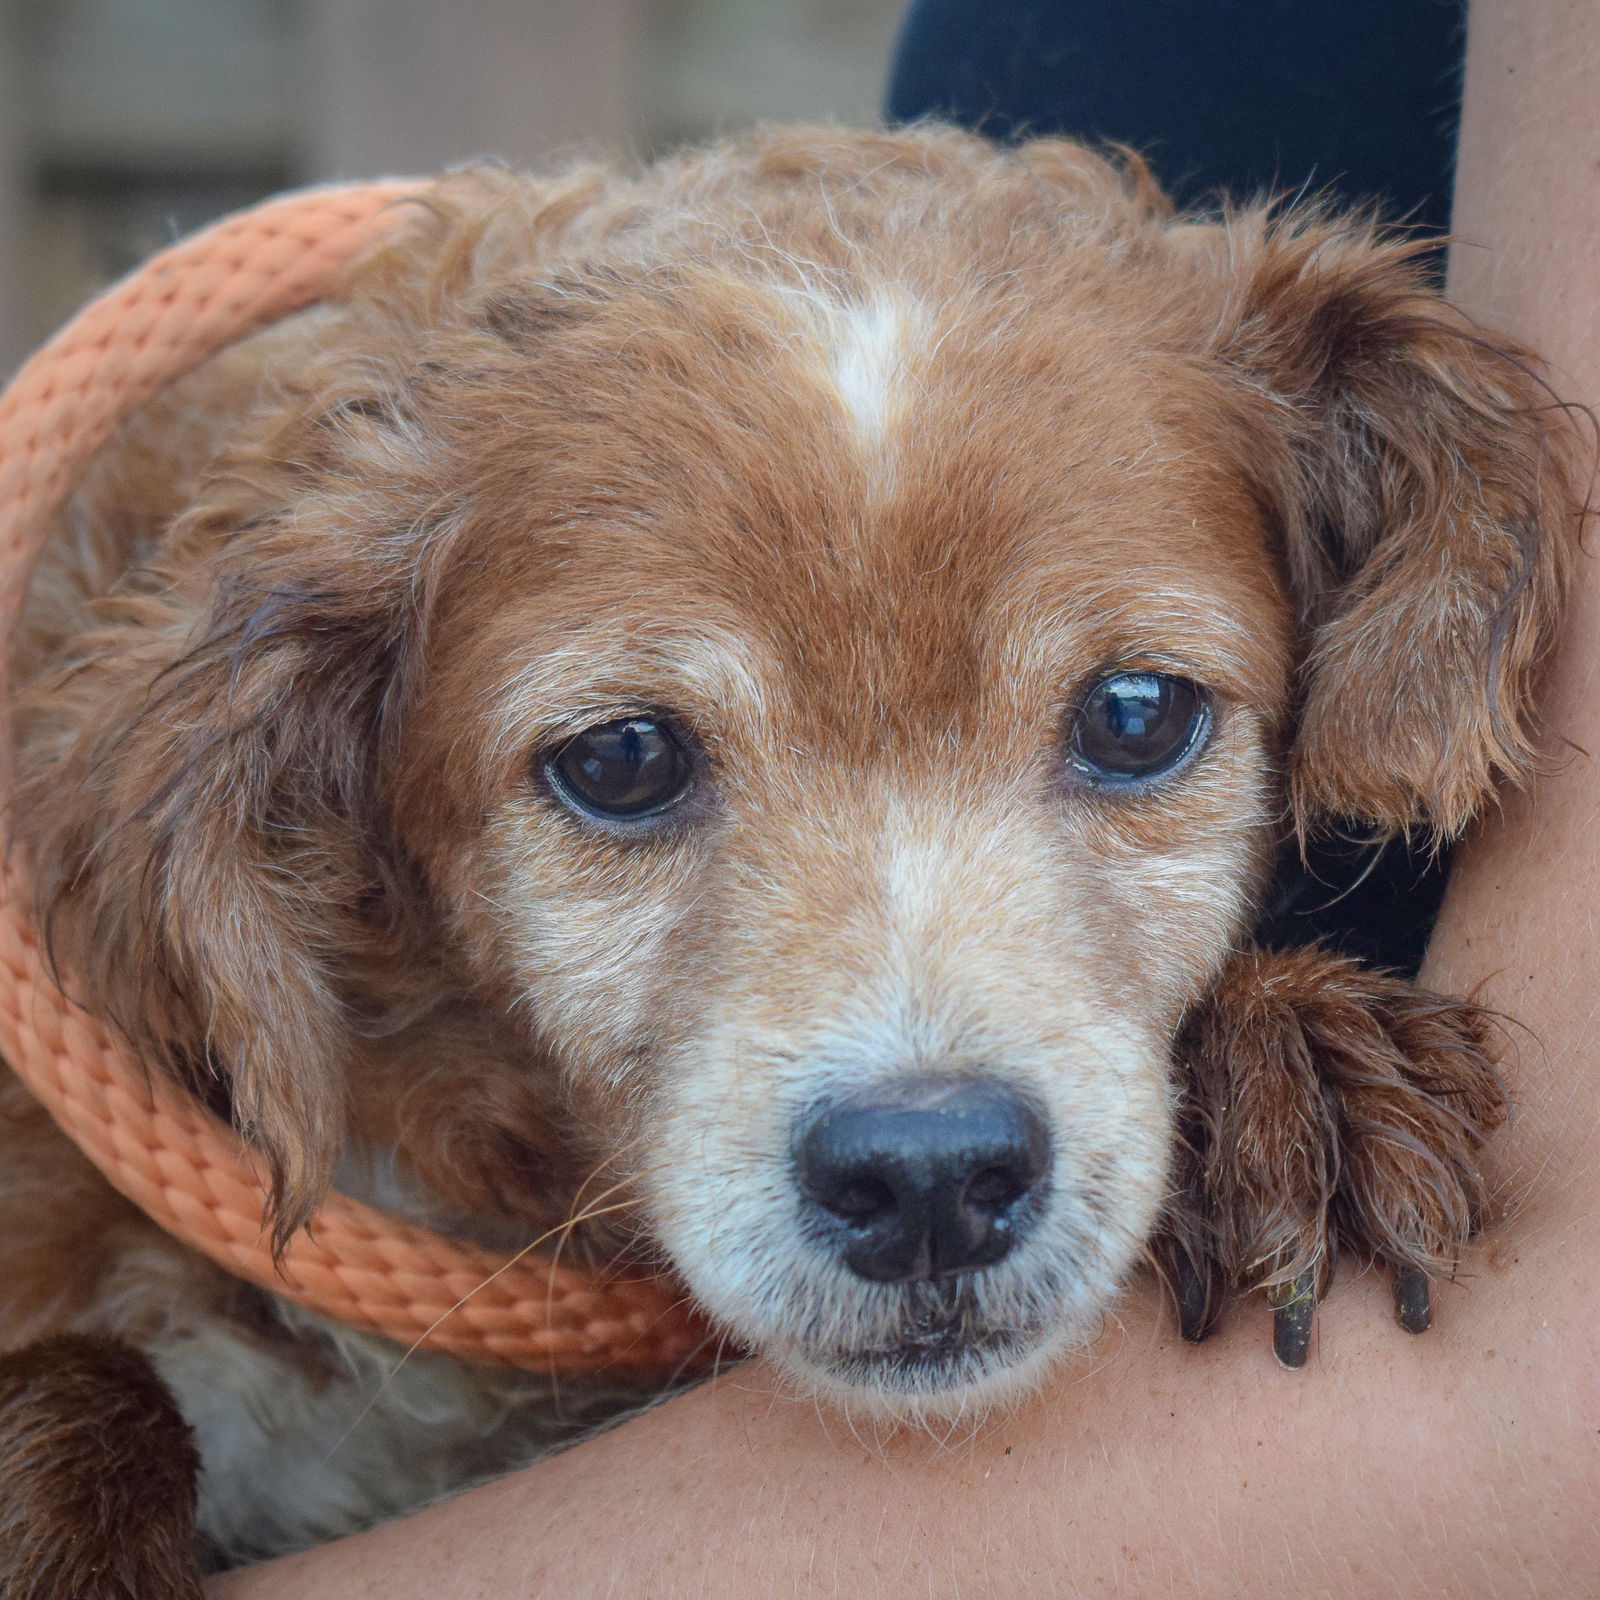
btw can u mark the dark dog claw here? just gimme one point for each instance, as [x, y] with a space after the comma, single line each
[1292, 1307]
[1197, 1314]
[1413, 1308]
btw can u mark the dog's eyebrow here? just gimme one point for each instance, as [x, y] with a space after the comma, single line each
[614, 666]
[1225, 645]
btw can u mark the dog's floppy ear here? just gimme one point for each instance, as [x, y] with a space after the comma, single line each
[199, 792]
[197, 803]
[1426, 515]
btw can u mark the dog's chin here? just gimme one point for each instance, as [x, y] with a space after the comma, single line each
[924, 1380]
[943, 1362]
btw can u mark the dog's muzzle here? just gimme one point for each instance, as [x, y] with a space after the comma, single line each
[925, 1178]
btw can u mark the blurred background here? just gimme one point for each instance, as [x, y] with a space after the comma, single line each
[124, 123]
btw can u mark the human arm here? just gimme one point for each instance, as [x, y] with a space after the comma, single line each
[1462, 1463]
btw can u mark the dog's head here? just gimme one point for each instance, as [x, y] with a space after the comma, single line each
[820, 643]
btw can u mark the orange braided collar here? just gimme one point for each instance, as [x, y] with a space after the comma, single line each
[169, 1156]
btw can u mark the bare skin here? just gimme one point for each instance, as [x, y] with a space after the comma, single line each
[1465, 1463]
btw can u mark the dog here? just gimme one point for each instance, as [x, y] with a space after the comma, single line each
[769, 691]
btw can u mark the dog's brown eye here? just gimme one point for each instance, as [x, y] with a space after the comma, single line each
[633, 767]
[1134, 727]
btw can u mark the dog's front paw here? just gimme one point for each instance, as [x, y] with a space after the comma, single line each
[97, 1476]
[1325, 1106]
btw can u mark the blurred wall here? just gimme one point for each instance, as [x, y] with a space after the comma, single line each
[126, 122]
[408, 85]
[12, 199]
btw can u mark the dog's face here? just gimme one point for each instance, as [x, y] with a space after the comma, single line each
[860, 726]
[822, 639]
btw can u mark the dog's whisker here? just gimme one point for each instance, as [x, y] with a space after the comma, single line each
[445, 1315]
[439, 1321]
[577, 1219]
[718, 1342]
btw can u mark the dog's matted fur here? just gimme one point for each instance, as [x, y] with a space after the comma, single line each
[815, 642]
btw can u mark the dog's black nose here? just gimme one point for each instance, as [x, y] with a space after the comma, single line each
[925, 1178]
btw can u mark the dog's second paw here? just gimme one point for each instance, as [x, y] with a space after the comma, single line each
[1325, 1106]
[97, 1476]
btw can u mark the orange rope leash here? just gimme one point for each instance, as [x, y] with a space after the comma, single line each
[165, 1153]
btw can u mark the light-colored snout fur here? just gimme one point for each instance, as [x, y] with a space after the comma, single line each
[938, 945]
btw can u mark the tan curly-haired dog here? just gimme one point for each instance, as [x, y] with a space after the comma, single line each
[764, 694]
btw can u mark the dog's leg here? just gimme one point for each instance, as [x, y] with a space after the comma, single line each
[97, 1477]
[1325, 1105]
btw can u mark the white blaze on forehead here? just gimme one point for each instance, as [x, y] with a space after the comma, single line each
[866, 346]
[868, 361]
